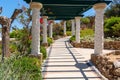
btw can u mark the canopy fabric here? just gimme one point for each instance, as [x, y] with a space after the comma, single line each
[66, 9]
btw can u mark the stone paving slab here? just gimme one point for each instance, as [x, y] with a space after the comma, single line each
[68, 63]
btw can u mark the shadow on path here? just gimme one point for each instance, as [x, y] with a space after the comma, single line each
[79, 65]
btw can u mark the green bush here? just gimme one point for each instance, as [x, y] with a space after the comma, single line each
[85, 20]
[112, 27]
[86, 32]
[20, 68]
[50, 41]
[72, 38]
[43, 51]
[24, 41]
[13, 47]
[85, 35]
[0, 49]
[54, 34]
[13, 34]
[68, 33]
[88, 38]
[41, 39]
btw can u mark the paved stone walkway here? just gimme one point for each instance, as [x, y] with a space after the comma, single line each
[68, 63]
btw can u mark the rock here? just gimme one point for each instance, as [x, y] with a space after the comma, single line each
[118, 78]
[109, 69]
[117, 63]
[109, 66]
[117, 72]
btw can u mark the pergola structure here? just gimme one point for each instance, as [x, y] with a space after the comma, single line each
[66, 10]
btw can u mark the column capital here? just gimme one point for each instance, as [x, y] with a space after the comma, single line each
[36, 5]
[77, 17]
[44, 17]
[100, 6]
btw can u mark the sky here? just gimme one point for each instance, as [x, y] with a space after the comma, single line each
[8, 8]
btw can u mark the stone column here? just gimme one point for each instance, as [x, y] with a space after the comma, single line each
[51, 30]
[77, 19]
[35, 6]
[64, 28]
[45, 30]
[99, 33]
[73, 27]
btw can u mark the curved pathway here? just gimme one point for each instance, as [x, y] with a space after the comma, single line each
[67, 63]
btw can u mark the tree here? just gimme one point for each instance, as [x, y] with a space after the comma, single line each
[92, 21]
[112, 27]
[57, 29]
[113, 11]
[0, 10]
[115, 1]
[24, 40]
[68, 25]
[25, 18]
[84, 22]
[6, 23]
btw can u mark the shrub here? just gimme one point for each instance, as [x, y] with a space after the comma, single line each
[13, 48]
[68, 33]
[112, 27]
[13, 34]
[85, 35]
[50, 41]
[24, 41]
[0, 49]
[20, 68]
[54, 34]
[41, 39]
[85, 20]
[43, 51]
[112, 39]
[88, 38]
[72, 38]
[86, 32]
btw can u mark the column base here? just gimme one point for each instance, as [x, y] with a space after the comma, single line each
[45, 44]
[77, 45]
[95, 57]
[39, 56]
[64, 35]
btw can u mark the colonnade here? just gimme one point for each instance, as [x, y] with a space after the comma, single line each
[99, 35]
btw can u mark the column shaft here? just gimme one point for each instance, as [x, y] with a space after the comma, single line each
[77, 19]
[73, 27]
[45, 29]
[99, 33]
[35, 31]
[99, 36]
[50, 30]
[64, 28]
[35, 6]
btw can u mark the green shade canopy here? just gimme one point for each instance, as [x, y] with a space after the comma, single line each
[66, 9]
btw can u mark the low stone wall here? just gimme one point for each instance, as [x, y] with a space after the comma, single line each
[113, 45]
[107, 45]
[105, 66]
